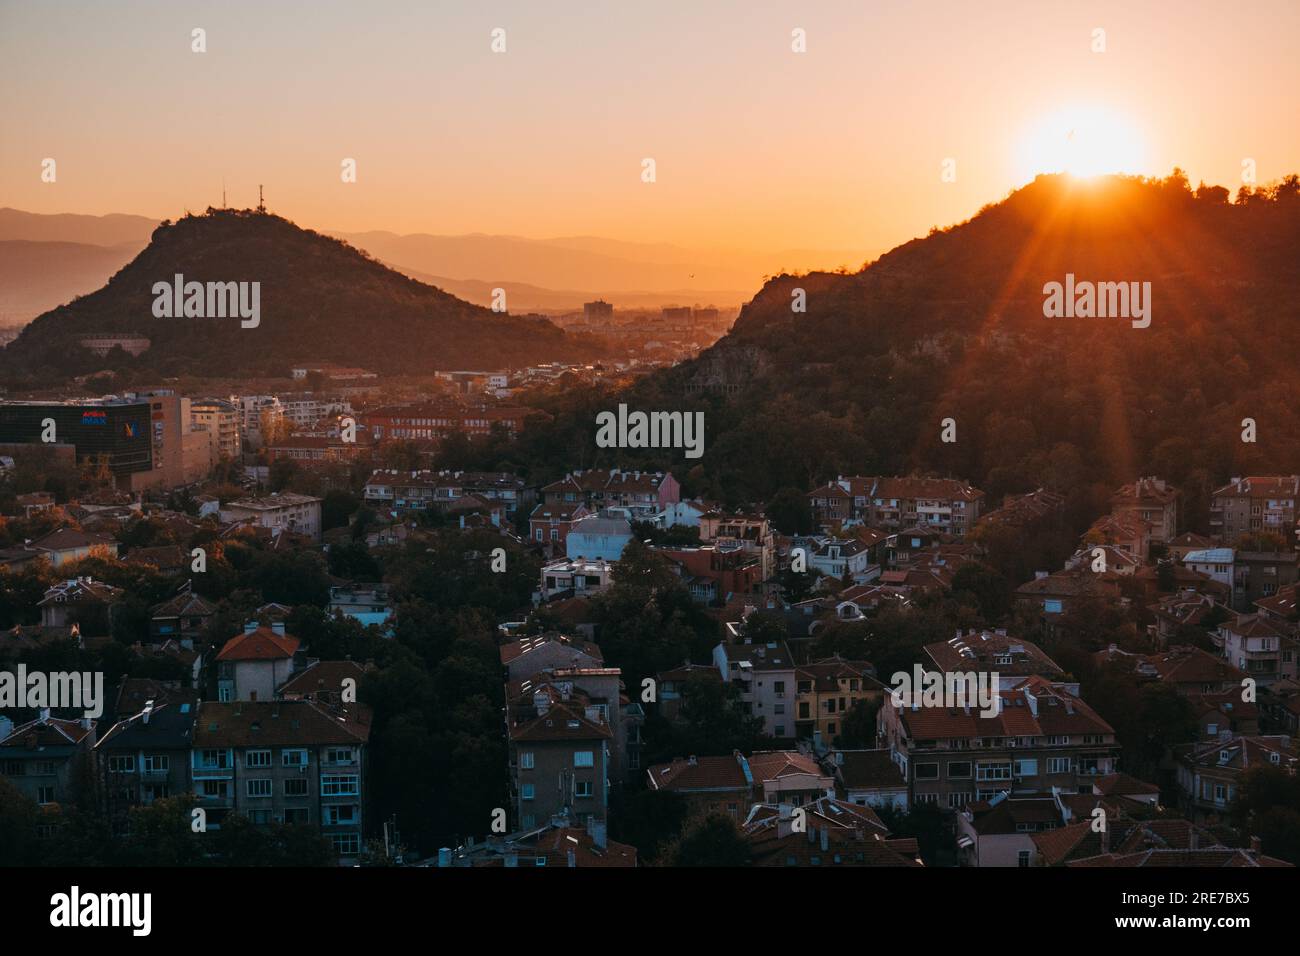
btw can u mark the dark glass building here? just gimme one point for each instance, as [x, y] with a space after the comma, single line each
[118, 430]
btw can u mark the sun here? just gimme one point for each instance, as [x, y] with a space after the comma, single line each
[1082, 141]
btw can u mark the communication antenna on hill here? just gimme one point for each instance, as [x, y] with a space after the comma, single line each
[223, 192]
[261, 204]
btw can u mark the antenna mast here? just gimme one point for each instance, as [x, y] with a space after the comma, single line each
[261, 204]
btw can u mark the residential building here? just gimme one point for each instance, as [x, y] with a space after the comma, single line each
[642, 494]
[766, 675]
[993, 652]
[1252, 505]
[252, 665]
[555, 843]
[603, 535]
[285, 511]
[1259, 647]
[82, 606]
[1043, 736]
[722, 785]
[297, 762]
[869, 778]
[1210, 774]
[145, 755]
[559, 758]
[1261, 574]
[567, 577]
[367, 603]
[183, 618]
[549, 525]
[220, 420]
[1154, 501]
[825, 833]
[827, 690]
[43, 757]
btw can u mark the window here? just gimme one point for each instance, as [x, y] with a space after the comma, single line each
[583, 790]
[260, 787]
[121, 764]
[296, 787]
[927, 771]
[293, 758]
[346, 844]
[1058, 764]
[584, 758]
[44, 795]
[339, 785]
[1026, 768]
[993, 771]
[157, 763]
[340, 755]
[257, 758]
[526, 791]
[297, 816]
[216, 760]
[340, 816]
[959, 769]
[525, 760]
[1023, 858]
[216, 789]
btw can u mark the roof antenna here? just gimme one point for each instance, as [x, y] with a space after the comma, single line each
[261, 204]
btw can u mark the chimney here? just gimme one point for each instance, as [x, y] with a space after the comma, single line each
[148, 711]
[573, 859]
[826, 838]
[599, 833]
[1254, 844]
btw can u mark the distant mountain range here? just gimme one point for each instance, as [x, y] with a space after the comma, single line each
[539, 275]
[319, 299]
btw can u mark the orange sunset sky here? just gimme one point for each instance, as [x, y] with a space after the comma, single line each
[757, 147]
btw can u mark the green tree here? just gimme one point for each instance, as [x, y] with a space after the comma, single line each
[711, 841]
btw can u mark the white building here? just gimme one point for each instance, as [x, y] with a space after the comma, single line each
[279, 512]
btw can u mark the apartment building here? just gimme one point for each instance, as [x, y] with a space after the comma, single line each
[642, 493]
[1043, 737]
[297, 762]
[1011, 658]
[826, 690]
[766, 676]
[145, 756]
[1260, 647]
[1252, 505]
[1154, 501]
[1210, 774]
[749, 534]
[220, 420]
[559, 756]
[40, 757]
[940, 504]
[284, 511]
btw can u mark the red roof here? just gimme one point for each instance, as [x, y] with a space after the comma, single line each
[262, 644]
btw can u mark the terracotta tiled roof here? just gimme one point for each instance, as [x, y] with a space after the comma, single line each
[700, 773]
[262, 644]
[279, 723]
